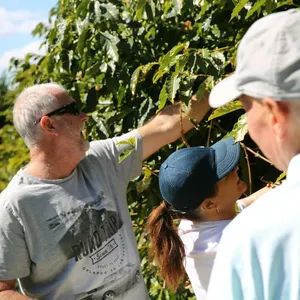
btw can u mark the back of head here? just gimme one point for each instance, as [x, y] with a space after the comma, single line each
[267, 80]
[30, 105]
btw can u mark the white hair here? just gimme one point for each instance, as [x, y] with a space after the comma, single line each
[30, 105]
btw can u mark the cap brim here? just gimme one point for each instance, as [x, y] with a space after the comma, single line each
[227, 155]
[224, 92]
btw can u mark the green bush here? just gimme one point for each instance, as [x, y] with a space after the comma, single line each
[124, 61]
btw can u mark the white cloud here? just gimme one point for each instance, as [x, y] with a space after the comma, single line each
[21, 21]
[33, 47]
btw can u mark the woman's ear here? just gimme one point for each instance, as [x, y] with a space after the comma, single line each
[208, 205]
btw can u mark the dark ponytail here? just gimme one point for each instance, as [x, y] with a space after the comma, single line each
[166, 249]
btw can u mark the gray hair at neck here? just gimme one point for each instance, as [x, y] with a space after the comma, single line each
[30, 105]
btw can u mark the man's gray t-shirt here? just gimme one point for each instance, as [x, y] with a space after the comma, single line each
[73, 238]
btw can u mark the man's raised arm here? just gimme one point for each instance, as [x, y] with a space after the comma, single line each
[168, 125]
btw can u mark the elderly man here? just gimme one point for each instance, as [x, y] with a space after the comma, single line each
[259, 253]
[65, 229]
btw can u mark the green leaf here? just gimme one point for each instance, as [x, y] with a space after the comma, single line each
[134, 79]
[127, 151]
[173, 86]
[258, 4]
[145, 111]
[61, 27]
[270, 6]
[219, 55]
[131, 142]
[146, 171]
[110, 45]
[282, 3]
[151, 33]
[94, 69]
[112, 11]
[205, 53]
[81, 40]
[39, 30]
[97, 9]
[177, 4]
[226, 109]
[240, 129]
[180, 64]
[281, 176]
[163, 96]
[168, 60]
[216, 31]
[52, 35]
[204, 4]
[135, 75]
[186, 88]
[146, 68]
[175, 50]
[51, 63]
[238, 8]
[124, 154]
[143, 184]
[201, 90]
[140, 9]
[102, 126]
[82, 8]
[209, 83]
[112, 65]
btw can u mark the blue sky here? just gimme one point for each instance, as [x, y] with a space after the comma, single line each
[18, 19]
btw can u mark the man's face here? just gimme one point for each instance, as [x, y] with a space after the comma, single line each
[72, 127]
[260, 126]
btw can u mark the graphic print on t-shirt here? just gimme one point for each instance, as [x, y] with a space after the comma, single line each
[95, 243]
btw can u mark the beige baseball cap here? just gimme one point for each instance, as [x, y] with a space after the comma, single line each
[268, 61]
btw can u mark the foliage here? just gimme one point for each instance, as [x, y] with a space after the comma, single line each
[13, 153]
[125, 60]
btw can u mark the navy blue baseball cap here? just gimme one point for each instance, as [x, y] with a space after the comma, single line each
[187, 176]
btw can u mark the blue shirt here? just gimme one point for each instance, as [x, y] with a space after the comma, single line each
[259, 253]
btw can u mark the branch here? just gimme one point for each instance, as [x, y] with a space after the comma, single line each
[249, 169]
[209, 133]
[256, 154]
[181, 126]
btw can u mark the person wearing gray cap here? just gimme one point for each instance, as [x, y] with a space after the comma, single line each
[263, 263]
[200, 187]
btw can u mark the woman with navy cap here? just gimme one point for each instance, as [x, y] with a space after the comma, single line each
[200, 187]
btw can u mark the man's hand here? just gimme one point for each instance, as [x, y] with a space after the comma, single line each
[169, 125]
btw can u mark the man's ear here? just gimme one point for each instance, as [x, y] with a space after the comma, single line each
[279, 112]
[48, 125]
[208, 204]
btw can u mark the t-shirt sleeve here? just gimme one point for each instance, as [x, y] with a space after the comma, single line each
[111, 151]
[14, 256]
